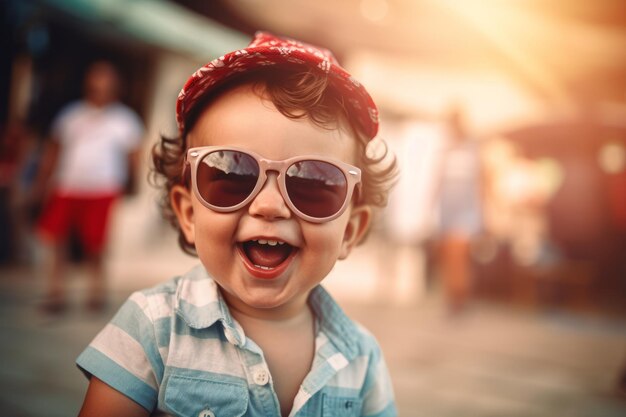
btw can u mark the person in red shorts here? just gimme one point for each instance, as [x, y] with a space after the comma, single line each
[94, 144]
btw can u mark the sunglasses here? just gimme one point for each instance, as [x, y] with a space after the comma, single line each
[315, 188]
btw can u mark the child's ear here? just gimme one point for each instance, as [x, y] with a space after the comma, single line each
[358, 224]
[180, 199]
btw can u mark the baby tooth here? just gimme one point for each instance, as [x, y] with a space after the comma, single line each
[269, 242]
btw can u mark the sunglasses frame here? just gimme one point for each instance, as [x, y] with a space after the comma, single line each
[350, 172]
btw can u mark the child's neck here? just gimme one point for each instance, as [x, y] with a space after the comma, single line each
[285, 314]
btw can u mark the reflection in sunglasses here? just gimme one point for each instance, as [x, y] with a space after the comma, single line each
[232, 162]
[324, 172]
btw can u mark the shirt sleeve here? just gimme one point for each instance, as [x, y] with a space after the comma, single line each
[133, 130]
[59, 123]
[378, 400]
[125, 354]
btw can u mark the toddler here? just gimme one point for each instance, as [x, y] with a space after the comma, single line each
[269, 184]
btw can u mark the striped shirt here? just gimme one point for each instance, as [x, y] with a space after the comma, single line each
[176, 348]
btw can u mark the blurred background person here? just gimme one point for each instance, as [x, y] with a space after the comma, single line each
[458, 197]
[85, 168]
[14, 139]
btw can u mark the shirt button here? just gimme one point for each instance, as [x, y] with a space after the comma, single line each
[206, 413]
[261, 377]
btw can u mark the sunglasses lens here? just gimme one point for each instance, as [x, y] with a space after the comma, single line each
[318, 189]
[226, 178]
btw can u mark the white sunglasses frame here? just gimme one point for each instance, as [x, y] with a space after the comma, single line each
[350, 172]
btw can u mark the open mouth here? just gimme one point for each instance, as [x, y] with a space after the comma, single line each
[267, 255]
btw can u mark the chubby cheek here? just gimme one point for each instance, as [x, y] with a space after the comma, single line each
[213, 236]
[324, 242]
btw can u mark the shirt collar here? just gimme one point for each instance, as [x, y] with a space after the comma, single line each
[337, 326]
[200, 304]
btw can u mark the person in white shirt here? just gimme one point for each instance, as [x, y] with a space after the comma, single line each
[93, 146]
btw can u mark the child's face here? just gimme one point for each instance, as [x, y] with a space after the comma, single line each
[241, 119]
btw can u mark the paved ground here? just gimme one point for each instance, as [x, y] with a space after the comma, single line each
[493, 361]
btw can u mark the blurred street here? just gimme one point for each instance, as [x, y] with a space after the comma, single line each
[494, 360]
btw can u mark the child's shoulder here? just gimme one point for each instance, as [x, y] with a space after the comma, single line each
[367, 342]
[195, 287]
[343, 331]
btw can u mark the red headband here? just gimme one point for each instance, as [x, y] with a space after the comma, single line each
[267, 49]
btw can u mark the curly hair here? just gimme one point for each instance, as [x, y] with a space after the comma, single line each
[297, 94]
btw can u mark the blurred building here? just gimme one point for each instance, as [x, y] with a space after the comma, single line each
[48, 43]
[46, 47]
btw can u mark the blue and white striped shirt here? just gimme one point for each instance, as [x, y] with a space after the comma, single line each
[176, 348]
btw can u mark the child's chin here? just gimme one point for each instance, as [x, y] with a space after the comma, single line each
[266, 300]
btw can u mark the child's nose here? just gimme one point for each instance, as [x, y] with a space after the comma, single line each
[269, 202]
